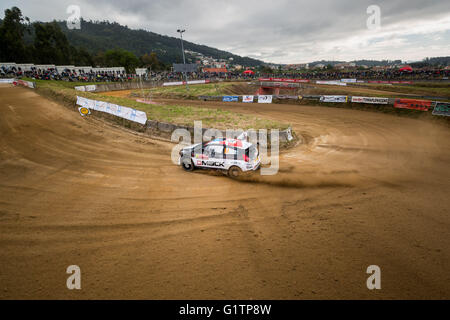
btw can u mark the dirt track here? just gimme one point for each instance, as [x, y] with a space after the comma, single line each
[367, 189]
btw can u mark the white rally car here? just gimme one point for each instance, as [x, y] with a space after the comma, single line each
[232, 156]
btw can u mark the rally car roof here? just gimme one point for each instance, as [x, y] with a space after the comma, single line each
[231, 143]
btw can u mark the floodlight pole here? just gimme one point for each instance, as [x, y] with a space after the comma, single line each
[184, 58]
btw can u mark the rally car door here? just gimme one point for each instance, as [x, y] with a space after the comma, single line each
[212, 157]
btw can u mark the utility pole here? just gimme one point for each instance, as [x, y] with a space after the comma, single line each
[180, 31]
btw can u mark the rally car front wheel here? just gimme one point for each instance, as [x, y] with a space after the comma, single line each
[234, 172]
[187, 165]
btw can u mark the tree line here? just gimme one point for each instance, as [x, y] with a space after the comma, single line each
[49, 45]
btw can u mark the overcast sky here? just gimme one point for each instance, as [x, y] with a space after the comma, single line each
[279, 31]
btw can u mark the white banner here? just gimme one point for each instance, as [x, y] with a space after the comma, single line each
[89, 88]
[177, 83]
[333, 99]
[114, 109]
[265, 99]
[7, 80]
[334, 83]
[372, 100]
[247, 98]
[348, 80]
[180, 83]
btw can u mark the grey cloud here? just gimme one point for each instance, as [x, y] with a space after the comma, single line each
[272, 30]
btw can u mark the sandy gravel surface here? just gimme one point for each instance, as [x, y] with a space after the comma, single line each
[366, 189]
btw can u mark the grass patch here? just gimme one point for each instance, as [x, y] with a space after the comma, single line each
[208, 89]
[175, 114]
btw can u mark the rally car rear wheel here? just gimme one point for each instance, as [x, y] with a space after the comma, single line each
[187, 165]
[234, 172]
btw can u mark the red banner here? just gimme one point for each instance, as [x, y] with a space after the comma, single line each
[423, 105]
[284, 80]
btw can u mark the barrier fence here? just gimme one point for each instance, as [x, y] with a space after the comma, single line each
[439, 108]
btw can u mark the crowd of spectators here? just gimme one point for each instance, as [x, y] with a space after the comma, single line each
[67, 75]
[81, 75]
[390, 74]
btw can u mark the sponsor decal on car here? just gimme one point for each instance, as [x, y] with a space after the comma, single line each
[212, 163]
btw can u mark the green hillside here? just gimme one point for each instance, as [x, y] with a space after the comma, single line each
[102, 36]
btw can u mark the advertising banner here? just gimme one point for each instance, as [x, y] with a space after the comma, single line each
[348, 80]
[175, 83]
[442, 109]
[86, 88]
[197, 82]
[7, 80]
[230, 99]
[371, 100]
[287, 97]
[340, 99]
[247, 99]
[180, 83]
[84, 111]
[265, 99]
[284, 80]
[333, 83]
[422, 105]
[114, 109]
